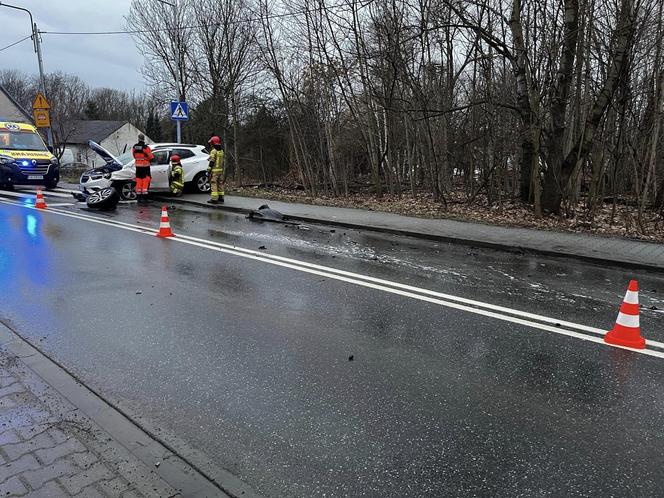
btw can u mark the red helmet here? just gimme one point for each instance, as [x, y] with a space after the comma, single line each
[175, 158]
[215, 140]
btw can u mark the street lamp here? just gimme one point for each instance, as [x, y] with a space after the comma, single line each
[37, 45]
[177, 63]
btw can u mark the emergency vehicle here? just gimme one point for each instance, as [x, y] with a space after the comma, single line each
[24, 157]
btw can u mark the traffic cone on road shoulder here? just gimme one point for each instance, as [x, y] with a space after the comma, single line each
[627, 331]
[164, 224]
[40, 203]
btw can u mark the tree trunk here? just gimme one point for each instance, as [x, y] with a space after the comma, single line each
[526, 103]
[559, 101]
[553, 194]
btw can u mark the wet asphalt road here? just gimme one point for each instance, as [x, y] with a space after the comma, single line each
[249, 362]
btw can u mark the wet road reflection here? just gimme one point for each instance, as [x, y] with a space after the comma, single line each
[249, 362]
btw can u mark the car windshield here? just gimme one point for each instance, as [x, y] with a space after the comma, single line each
[21, 140]
[126, 157]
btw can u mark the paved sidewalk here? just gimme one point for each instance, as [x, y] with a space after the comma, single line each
[607, 250]
[50, 448]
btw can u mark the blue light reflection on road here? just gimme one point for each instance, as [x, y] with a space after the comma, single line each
[31, 225]
[26, 262]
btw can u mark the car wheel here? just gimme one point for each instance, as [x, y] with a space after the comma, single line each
[105, 198]
[202, 183]
[7, 186]
[127, 191]
[51, 185]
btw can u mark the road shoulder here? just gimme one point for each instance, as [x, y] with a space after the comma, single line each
[603, 250]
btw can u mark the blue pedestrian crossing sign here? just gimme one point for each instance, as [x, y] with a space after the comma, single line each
[179, 111]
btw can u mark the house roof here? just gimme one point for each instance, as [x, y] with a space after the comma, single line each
[18, 106]
[95, 129]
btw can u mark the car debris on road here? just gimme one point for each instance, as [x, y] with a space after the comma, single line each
[265, 213]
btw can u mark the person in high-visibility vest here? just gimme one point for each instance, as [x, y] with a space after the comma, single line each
[176, 176]
[216, 171]
[142, 157]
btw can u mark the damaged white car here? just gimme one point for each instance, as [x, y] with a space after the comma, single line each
[120, 172]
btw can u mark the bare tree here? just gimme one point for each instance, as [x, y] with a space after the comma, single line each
[166, 38]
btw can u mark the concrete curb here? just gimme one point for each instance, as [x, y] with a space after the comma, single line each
[514, 248]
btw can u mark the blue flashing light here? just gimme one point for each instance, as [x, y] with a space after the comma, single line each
[25, 163]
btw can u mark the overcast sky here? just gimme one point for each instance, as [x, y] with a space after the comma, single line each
[110, 60]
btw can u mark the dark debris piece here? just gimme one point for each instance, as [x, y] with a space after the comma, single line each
[265, 213]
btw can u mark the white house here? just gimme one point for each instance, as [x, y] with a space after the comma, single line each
[117, 137]
[10, 110]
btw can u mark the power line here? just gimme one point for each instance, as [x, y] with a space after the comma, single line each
[194, 26]
[125, 32]
[15, 43]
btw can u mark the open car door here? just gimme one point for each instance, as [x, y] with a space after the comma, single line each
[159, 170]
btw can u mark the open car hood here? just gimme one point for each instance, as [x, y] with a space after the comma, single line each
[109, 158]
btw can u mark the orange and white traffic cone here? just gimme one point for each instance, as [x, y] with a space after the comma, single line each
[627, 331]
[164, 224]
[41, 203]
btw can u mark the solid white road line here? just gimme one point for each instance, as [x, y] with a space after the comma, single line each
[502, 309]
[66, 191]
[30, 194]
[374, 283]
[52, 193]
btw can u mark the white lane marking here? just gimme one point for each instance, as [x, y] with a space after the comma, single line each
[22, 194]
[450, 297]
[51, 193]
[16, 194]
[502, 309]
[298, 266]
[60, 204]
[80, 217]
[533, 316]
[471, 302]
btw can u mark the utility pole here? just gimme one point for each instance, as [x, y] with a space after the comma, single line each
[42, 79]
[37, 46]
[173, 4]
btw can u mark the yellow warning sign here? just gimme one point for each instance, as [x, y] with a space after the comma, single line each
[40, 102]
[42, 119]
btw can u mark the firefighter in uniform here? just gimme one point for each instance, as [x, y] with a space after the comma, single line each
[216, 171]
[176, 176]
[142, 156]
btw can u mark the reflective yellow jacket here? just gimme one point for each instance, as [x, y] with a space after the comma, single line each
[216, 161]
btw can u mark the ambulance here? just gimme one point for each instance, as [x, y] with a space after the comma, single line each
[24, 158]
